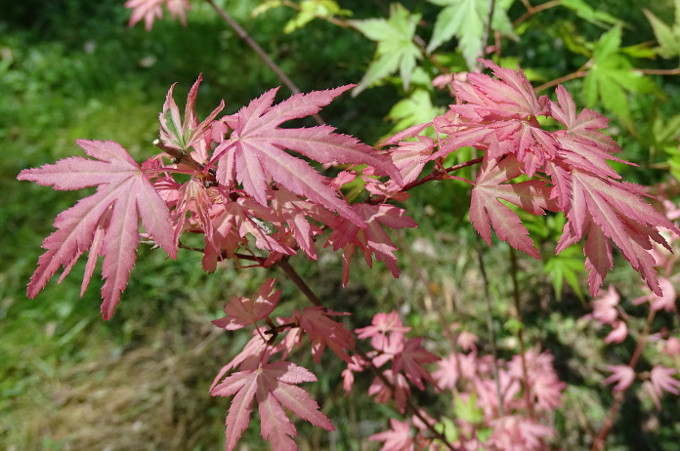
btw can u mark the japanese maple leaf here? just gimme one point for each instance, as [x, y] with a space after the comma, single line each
[273, 386]
[396, 438]
[486, 210]
[381, 325]
[256, 153]
[323, 331]
[623, 375]
[242, 312]
[184, 134]
[411, 360]
[614, 210]
[371, 240]
[107, 221]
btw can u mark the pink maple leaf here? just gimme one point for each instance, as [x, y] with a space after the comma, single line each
[106, 222]
[323, 331]
[623, 375]
[255, 154]
[397, 438]
[608, 209]
[242, 312]
[514, 432]
[662, 380]
[184, 134]
[149, 10]
[618, 333]
[664, 302]
[604, 307]
[398, 389]
[381, 325]
[372, 239]
[411, 360]
[486, 210]
[273, 386]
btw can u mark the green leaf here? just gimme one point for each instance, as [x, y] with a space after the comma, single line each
[448, 429]
[265, 6]
[611, 75]
[417, 109]
[465, 19]
[586, 12]
[468, 410]
[396, 49]
[668, 37]
[314, 9]
[567, 266]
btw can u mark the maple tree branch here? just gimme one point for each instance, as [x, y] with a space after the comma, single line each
[531, 10]
[243, 34]
[599, 441]
[520, 332]
[675, 71]
[284, 264]
[439, 174]
[557, 81]
[489, 327]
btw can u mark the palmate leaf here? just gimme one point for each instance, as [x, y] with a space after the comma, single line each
[255, 153]
[667, 36]
[607, 210]
[487, 211]
[273, 386]
[106, 222]
[611, 76]
[465, 19]
[396, 49]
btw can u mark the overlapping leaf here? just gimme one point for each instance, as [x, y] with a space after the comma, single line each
[107, 221]
[486, 210]
[273, 384]
[255, 154]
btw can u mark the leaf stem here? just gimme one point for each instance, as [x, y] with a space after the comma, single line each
[284, 264]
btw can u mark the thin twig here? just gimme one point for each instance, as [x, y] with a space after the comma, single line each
[520, 333]
[599, 441]
[284, 264]
[485, 35]
[243, 34]
[489, 326]
[531, 10]
[309, 294]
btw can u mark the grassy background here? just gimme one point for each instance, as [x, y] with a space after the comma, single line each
[68, 380]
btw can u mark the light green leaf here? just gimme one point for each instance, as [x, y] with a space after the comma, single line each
[465, 19]
[586, 12]
[611, 75]
[448, 429]
[396, 49]
[315, 9]
[417, 109]
[266, 6]
[468, 411]
[567, 266]
[668, 37]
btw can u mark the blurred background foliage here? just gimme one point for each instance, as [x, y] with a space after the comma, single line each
[72, 69]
